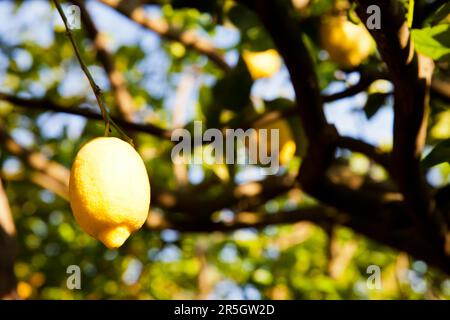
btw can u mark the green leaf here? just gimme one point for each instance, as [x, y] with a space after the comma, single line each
[374, 102]
[232, 92]
[433, 42]
[254, 36]
[243, 18]
[209, 110]
[440, 154]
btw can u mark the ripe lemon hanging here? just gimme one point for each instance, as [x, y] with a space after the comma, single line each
[109, 190]
[262, 64]
[348, 44]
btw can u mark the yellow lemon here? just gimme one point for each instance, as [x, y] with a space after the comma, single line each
[286, 143]
[300, 5]
[347, 44]
[441, 129]
[24, 290]
[262, 64]
[109, 190]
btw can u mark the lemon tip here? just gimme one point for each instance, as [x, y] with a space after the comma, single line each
[114, 238]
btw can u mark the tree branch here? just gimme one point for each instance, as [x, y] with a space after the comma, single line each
[288, 39]
[189, 39]
[57, 176]
[368, 150]
[411, 75]
[441, 87]
[364, 82]
[8, 248]
[49, 105]
[245, 220]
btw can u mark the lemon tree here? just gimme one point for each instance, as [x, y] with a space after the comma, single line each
[363, 116]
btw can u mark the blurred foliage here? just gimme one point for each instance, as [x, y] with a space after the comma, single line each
[298, 261]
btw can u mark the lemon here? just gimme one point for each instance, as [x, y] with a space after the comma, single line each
[441, 129]
[262, 64]
[348, 44]
[300, 5]
[286, 143]
[109, 190]
[24, 290]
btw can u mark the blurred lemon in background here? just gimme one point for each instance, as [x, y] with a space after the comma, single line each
[286, 146]
[24, 290]
[348, 44]
[262, 64]
[441, 128]
[109, 190]
[299, 5]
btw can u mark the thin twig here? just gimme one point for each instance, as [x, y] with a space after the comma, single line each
[47, 104]
[95, 88]
[118, 84]
[189, 39]
[372, 152]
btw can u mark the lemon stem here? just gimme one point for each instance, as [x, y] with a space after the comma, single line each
[95, 88]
